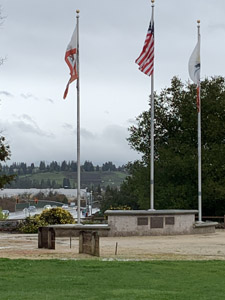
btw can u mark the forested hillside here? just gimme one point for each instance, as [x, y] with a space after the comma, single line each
[63, 175]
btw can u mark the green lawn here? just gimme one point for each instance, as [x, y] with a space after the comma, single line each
[94, 279]
[113, 179]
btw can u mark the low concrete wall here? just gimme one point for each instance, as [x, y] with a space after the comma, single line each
[204, 227]
[154, 222]
[9, 225]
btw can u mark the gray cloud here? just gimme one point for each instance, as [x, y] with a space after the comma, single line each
[5, 93]
[28, 96]
[27, 125]
[69, 128]
[29, 128]
[217, 26]
[50, 100]
[86, 134]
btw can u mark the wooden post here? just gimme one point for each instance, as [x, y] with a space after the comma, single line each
[116, 248]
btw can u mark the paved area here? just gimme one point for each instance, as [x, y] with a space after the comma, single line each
[179, 247]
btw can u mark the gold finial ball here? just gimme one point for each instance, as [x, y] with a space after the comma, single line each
[198, 21]
[77, 11]
[153, 1]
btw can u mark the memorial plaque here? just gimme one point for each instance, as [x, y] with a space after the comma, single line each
[170, 221]
[142, 221]
[156, 222]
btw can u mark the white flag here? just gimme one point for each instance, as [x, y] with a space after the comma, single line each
[71, 60]
[194, 64]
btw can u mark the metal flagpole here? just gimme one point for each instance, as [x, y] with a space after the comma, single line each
[78, 122]
[199, 143]
[152, 130]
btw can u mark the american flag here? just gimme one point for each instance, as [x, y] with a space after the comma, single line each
[146, 58]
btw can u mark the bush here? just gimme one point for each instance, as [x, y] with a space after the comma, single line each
[31, 224]
[56, 216]
[2, 216]
[47, 217]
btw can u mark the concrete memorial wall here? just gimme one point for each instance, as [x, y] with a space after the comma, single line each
[155, 222]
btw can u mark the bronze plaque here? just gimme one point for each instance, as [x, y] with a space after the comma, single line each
[156, 222]
[142, 221]
[170, 221]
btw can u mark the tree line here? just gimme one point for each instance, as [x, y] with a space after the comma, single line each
[23, 169]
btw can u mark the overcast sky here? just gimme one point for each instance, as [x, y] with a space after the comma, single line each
[40, 125]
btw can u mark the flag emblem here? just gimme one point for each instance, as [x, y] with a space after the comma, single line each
[194, 64]
[194, 67]
[71, 59]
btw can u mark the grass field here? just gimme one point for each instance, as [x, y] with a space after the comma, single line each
[113, 179]
[94, 279]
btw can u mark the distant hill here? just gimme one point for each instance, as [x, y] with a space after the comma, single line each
[68, 180]
[64, 175]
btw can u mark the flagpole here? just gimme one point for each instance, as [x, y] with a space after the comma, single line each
[78, 122]
[152, 131]
[199, 143]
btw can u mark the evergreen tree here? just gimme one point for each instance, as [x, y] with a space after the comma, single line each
[108, 166]
[4, 156]
[88, 166]
[64, 166]
[73, 166]
[42, 166]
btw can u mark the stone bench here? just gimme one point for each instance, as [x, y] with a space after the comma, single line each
[88, 236]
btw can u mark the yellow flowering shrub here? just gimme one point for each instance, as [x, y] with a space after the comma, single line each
[56, 215]
[47, 217]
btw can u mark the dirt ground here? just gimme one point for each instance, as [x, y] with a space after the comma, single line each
[179, 247]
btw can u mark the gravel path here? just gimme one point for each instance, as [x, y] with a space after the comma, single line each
[179, 247]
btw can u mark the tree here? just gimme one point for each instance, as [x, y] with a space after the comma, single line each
[4, 156]
[64, 166]
[73, 166]
[88, 166]
[176, 148]
[42, 166]
[108, 166]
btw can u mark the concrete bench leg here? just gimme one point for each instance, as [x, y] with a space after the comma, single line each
[40, 237]
[81, 242]
[89, 243]
[95, 244]
[46, 238]
[51, 238]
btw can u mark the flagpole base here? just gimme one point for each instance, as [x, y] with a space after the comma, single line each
[199, 222]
